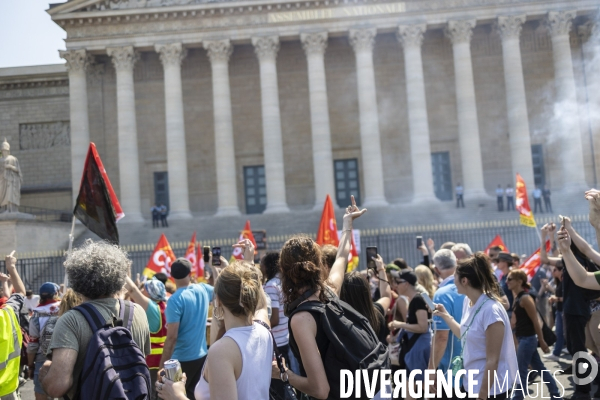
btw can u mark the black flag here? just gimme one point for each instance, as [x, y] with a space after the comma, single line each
[97, 206]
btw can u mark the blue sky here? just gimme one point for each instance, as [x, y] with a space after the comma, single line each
[27, 34]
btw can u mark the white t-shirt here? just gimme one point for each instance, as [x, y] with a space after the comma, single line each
[280, 332]
[30, 304]
[474, 354]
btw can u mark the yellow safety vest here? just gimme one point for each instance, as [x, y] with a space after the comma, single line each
[10, 351]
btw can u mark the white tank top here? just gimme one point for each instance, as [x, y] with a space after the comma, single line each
[256, 346]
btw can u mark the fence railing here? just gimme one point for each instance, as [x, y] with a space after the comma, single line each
[37, 268]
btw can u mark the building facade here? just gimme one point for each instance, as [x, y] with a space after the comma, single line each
[229, 107]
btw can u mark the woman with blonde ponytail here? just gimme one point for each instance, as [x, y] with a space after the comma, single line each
[483, 326]
[238, 365]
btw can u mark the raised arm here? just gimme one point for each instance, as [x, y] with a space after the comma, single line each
[384, 286]
[136, 294]
[11, 267]
[336, 275]
[580, 242]
[593, 198]
[547, 232]
[578, 273]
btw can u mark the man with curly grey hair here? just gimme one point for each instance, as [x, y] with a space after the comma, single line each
[97, 272]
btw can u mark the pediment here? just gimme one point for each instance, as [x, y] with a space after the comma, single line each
[76, 6]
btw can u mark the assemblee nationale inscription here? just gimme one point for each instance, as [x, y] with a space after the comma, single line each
[333, 13]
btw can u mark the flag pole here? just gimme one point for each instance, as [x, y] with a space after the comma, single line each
[71, 238]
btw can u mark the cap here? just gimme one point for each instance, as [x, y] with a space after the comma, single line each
[181, 268]
[156, 289]
[407, 276]
[49, 289]
[504, 256]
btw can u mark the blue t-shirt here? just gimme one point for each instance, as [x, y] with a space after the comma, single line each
[188, 306]
[453, 302]
[153, 314]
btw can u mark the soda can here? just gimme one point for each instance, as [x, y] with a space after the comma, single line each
[173, 370]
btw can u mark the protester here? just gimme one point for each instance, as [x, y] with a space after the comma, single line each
[529, 333]
[31, 301]
[510, 197]
[69, 301]
[425, 279]
[414, 336]
[10, 331]
[500, 197]
[557, 301]
[329, 255]
[41, 327]
[399, 304]
[153, 300]
[187, 313]
[484, 320]
[96, 271]
[238, 366]
[355, 291]
[446, 345]
[269, 266]
[462, 251]
[504, 262]
[459, 195]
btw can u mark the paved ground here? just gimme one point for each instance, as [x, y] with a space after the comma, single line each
[565, 380]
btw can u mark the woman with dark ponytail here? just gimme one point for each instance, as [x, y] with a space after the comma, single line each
[483, 326]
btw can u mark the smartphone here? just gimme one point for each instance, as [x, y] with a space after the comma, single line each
[216, 256]
[419, 241]
[371, 253]
[206, 255]
[428, 300]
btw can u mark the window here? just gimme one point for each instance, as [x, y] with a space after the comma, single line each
[346, 181]
[537, 158]
[442, 175]
[161, 188]
[255, 189]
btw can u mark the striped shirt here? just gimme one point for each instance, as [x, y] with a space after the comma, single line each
[280, 332]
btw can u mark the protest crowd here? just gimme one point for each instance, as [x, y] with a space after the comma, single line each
[284, 327]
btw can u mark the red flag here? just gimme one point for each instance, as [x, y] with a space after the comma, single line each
[190, 253]
[352, 256]
[327, 233]
[97, 206]
[238, 253]
[161, 259]
[497, 241]
[533, 262]
[522, 204]
[200, 265]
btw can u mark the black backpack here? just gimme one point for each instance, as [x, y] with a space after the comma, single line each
[352, 345]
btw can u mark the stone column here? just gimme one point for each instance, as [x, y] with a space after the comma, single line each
[362, 41]
[314, 45]
[566, 118]
[124, 58]
[459, 32]
[171, 56]
[77, 64]
[590, 38]
[411, 37]
[219, 52]
[509, 28]
[266, 48]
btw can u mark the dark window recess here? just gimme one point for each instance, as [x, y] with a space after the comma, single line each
[442, 175]
[537, 158]
[346, 181]
[255, 189]
[161, 188]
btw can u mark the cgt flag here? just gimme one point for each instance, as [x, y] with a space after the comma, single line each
[533, 262]
[97, 206]
[195, 258]
[327, 233]
[238, 252]
[522, 204]
[161, 259]
[497, 241]
[352, 257]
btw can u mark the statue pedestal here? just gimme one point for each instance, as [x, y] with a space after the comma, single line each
[23, 233]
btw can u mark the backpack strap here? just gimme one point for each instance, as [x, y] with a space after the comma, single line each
[92, 316]
[126, 313]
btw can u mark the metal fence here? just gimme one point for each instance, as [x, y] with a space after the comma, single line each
[37, 268]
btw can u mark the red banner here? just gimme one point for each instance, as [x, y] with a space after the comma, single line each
[327, 233]
[522, 203]
[497, 241]
[533, 262]
[161, 259]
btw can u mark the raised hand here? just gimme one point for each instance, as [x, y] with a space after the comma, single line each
[564, 240]
[431, 245]
[248, 247]
[352, 212]
[379, 262]
[10, 261]
[593, 198]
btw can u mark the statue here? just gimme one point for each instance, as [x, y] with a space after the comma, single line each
[10, 180]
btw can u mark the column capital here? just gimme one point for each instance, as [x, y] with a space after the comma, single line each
[509, 26]
[559, 22]
[218, 50]
[314, 43]
[587, 30]
[460, 31]
[123, 58]
[171, 54]
[77, 60]
[411, 35]
[266, 47]
[362, 39]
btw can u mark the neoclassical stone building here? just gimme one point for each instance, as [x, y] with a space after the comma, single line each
[227, 107]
